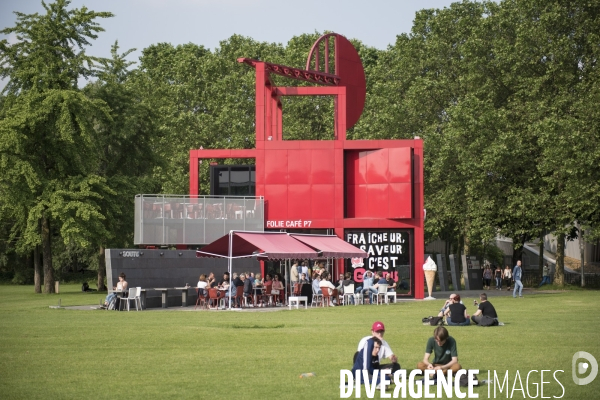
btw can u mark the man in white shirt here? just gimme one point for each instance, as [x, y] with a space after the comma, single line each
[326, 285]
[378, 330]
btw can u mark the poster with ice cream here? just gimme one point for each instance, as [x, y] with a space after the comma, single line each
[430, 268]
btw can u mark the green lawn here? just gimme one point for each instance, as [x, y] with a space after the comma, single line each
[49, 353]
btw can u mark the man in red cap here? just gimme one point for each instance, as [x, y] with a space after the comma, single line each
[377, 331]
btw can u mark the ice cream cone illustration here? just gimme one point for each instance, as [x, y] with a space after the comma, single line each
[430, 269]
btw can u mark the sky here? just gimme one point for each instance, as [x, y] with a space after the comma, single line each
[140, 23]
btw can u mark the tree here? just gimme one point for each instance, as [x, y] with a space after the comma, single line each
[125, 151]
[48, 149]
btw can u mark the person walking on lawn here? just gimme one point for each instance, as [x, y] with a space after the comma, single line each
[545, 275]
[517, 276]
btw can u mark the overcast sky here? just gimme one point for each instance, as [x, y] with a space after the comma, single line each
[140, 23]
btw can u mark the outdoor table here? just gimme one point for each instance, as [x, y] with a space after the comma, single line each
[184, 295]
[143, 298]
[297, 300]
[257, 293]
[120, 294]
[164, 292]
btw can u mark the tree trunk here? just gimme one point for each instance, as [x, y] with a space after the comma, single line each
[559, 274]
[101, 270]
[47, 257]
[517, 252]
[581, 254]
[37, 270]
[541, 257]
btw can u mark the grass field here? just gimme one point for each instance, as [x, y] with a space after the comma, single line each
[55, 354]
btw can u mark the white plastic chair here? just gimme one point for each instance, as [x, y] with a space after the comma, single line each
[391, 294]
[382, 292]
[349, 292]
[134, 295]
[317, 298]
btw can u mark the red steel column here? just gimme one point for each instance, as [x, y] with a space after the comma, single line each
[419, 215]
[193, 173]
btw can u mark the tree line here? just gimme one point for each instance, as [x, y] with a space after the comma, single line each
[504, 95]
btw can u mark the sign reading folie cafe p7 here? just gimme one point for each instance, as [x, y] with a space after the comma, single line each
[388, 250]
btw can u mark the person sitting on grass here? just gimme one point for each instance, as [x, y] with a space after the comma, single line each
[456, 313]
[85, 287]
[447, 304]
[445, 352]
[367, 359]
[485, 309]
[377, 331]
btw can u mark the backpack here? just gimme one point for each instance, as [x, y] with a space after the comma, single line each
[433, 321]
[464, 380]
[488, 321]
[112, 303]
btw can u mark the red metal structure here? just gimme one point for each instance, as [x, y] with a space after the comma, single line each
[369, 192]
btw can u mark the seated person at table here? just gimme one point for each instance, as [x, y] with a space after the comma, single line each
[121, 286]
[223, 286]
[367, 287]
[445, 352]
[212, 282]
[224, 280]
[328, 287]
[258, 282]
[379, 280]
[340, 283]
[237, 280]
[277, 288]
[315, 283]
[202, 286]
[258, 285]
[248, 287]
[268, 281]
[348, 281]
[485, 309]
[456, 313]
[391, 283]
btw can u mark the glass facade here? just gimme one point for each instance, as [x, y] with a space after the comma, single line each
[232, 180]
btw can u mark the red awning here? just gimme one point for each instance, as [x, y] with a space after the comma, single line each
[331, 246]
[276, 245]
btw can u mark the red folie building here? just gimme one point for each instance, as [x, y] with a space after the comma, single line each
[369, 192]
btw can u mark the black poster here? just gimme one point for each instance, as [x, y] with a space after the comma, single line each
[389, 251]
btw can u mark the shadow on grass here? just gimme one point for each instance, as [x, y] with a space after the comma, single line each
[255, 326]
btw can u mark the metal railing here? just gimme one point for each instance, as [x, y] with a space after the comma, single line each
[194, 220]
